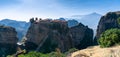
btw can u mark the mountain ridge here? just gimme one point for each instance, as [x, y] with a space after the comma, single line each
[20, 26]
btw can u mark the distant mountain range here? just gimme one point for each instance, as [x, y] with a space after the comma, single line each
[20, 26]
[90, 20]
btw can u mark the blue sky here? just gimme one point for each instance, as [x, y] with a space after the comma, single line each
[25, 9]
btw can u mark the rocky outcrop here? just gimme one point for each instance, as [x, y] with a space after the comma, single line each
[47, 35]
[82, 36]
[96, 51]
[8, 40]
[107, 22]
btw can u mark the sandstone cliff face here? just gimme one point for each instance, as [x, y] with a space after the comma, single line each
[46, 35]
[96, 51]
[8, 40]
[107, 22]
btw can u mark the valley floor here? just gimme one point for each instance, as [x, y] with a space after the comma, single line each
[96, 51]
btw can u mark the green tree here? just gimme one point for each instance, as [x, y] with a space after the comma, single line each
[118, 20]
[109, 38]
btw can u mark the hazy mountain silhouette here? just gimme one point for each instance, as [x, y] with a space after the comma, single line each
[20, 26]
[91, 20]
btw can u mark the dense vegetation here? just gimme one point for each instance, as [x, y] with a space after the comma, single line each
[56, 53]
[37, 54]
[109, 38]
[118, 20]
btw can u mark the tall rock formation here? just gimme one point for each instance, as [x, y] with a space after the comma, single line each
[46, 35]
[82, 36]
[8, 40]
[107, 22]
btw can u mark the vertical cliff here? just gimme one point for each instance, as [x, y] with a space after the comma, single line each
[82, 36]
[8, 40]
[107, 22]
[47, 35]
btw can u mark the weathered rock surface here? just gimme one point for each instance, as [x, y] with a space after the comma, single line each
[96, 51]
[46, 35]
[82, 36]
[107, 22]
[8, 40]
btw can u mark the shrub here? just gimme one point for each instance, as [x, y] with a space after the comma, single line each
[118, 20]
[56, 53]
[71, 51]
[33, 54]
[109, 38]
[38, 54]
